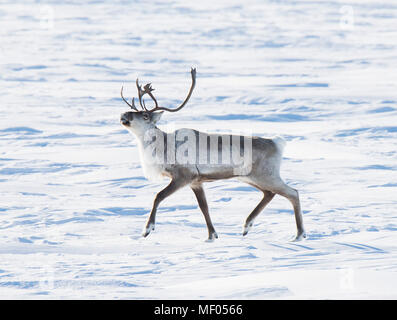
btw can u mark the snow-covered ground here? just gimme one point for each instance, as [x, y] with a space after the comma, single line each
[73, 199]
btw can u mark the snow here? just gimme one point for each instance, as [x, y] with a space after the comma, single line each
[73, 199]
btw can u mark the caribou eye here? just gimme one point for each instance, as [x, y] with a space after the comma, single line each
[145, 116]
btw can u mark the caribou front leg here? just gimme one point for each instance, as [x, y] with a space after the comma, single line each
[202, 201]
[167, 191]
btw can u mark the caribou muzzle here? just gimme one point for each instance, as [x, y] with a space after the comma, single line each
[126, 118]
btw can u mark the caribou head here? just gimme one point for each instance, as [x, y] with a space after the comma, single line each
[137, 119]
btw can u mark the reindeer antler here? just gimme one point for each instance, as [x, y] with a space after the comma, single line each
[132, 106]
[147, 89]
[156, 108]
[141, 93]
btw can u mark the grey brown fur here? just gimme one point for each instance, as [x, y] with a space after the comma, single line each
[263, 174]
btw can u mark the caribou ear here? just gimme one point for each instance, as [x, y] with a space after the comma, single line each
[156, 116]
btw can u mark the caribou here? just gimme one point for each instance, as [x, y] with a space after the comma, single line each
[189, 158]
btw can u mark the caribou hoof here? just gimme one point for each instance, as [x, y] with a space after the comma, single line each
[301, 236]
[148, 229]
[247, 228]
[212, 237]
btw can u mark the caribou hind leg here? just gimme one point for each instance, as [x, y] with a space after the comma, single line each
[267, 197]
[293, 196]
[270, 188]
